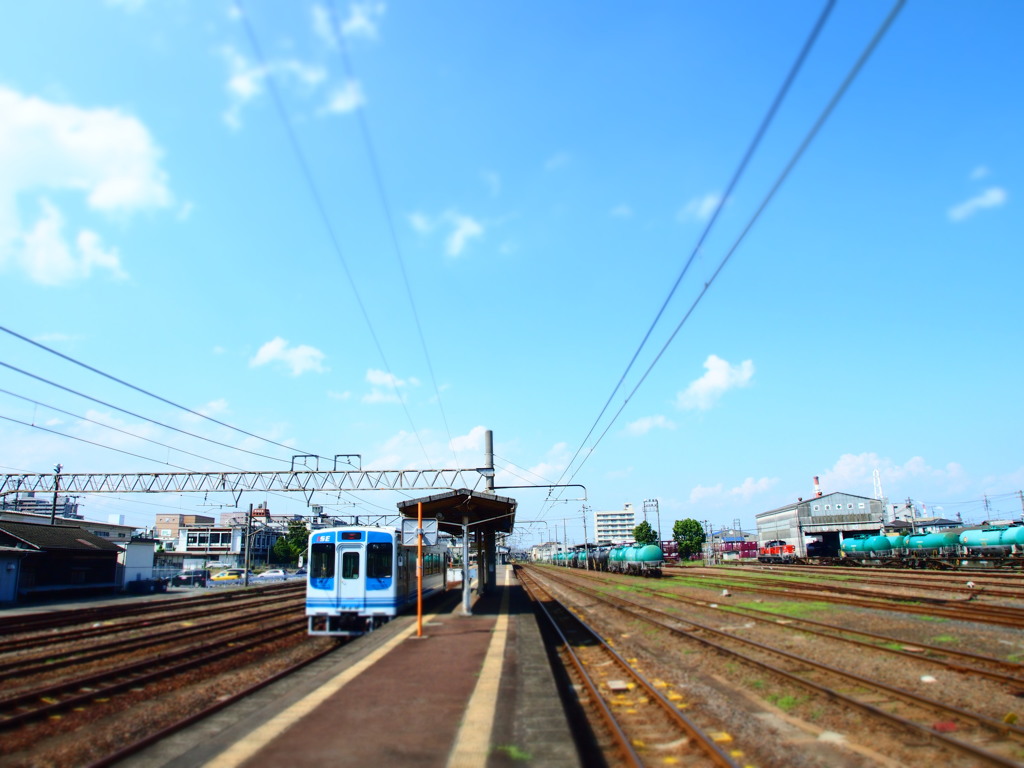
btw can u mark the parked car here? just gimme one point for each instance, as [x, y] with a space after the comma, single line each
[230, 574]
[275, 573]
[194, 578]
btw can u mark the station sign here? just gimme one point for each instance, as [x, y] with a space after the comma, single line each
[409, 531]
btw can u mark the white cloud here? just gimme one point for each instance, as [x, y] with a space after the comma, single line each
[704, 492]
[104, 154]
[322, 24]
[245, 79]
[555, 461]
[556, 161]
[339, 395]
[700, 208]
[719, 379]
[980, 172]
[362, 20]
[473, 441]
[55, 338]
[990, 198]
[48, 259]
[420, 222]
[348, 98]
[386, 387]
[854, 473]
[299, 359]
[465, 228]
[647, 423]
[717, 495]
[214, 407]
[622, 211]
[751, 487]
[185, 211]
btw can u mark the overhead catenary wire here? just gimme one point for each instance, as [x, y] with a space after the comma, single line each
[115, 429]
[137, 415]
[378, 178]
[794, 159]
[321, 208]
[736, 176]
[140, 390]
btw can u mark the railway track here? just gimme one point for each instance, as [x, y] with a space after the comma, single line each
[979, 739]
[958, 610]
[180, 612]
[142, 678]
[1009, 585]
[65, 618]
[1008, 673]
[642, 724]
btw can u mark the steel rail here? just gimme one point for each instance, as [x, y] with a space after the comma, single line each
[195, 717]
[137, 623]
[706, 745]
[635, 610]
[138, 674]
[23, 667]
[1010, 617]
[835, 632]
[26, 623]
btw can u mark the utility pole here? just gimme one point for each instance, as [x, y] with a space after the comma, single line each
[653, 504]
[56, 491]
[586, 546]
[248, 544]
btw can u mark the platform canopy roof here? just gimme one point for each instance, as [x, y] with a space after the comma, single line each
[486, 512]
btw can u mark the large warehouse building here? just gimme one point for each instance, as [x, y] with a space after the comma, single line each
[828, 519]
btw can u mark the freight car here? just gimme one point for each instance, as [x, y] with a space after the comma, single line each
[361, 576]
[639, 559]
[991, 546]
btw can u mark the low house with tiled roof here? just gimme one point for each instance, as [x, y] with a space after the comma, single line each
[52, 559]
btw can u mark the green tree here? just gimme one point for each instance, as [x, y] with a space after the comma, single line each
[288, 547]
[644, 534]
[689, 536]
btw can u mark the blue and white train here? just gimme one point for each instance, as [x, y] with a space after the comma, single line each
[361, 576]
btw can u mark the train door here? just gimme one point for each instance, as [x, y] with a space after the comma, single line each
[349, 570]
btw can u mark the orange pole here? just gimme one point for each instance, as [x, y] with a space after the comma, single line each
[419, 569]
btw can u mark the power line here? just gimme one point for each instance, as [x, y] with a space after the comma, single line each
[105, 375]
[840, 92]
[797, 155]
[91, 442]
[140, 416]
[737, 174]
[378, 178]
[116, 429]
[321, 207]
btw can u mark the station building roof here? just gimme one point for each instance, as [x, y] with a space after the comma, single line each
[35, 536]
[486, 511]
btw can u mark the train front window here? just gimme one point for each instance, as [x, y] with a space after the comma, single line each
[378, 560]
[321, 561]
[350, 565]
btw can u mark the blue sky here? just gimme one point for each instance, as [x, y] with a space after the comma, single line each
[395, 225]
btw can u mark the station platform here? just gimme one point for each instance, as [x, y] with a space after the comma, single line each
[474, 691]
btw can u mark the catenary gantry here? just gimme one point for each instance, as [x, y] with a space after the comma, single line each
[303, 481]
